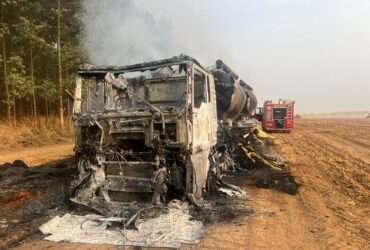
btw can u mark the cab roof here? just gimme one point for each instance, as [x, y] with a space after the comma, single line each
[88, 69]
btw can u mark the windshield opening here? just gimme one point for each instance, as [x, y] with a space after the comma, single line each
[165, 88]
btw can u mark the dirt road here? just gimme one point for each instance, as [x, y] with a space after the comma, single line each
[331, 159]
[40, 155]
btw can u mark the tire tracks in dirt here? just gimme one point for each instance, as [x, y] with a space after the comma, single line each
[330, 211]
[335, 184]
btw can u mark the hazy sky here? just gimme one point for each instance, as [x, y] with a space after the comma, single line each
[316, 52]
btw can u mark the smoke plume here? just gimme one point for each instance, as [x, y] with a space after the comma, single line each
[315, 52]
[126, 31]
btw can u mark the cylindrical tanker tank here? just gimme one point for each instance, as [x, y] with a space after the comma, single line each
[235, 98]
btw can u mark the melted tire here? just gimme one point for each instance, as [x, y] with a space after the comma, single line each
[290, 188]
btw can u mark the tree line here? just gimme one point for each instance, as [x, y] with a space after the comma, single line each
[40, 52]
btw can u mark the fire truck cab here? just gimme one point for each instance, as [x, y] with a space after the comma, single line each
[278, 116]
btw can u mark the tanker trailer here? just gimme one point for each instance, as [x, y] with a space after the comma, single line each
[235, 98]
[242, 142]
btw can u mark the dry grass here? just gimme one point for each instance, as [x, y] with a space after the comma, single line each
[29, 132]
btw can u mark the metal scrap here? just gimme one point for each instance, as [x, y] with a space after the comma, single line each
[170, 229]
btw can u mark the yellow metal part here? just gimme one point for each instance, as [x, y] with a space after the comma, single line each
[262, 134]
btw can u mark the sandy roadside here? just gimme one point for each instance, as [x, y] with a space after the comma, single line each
[38, 155]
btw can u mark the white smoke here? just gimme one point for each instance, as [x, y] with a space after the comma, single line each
[284, 49]
[126, 31]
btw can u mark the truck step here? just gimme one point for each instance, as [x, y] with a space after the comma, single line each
[129, 181]
[128, 184]
[131, 169]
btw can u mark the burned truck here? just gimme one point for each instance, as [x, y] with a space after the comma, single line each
[146, 132]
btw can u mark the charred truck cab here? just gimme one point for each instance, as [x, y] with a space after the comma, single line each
[144, 132]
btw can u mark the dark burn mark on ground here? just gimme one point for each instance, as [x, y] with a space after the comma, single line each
[31, 196]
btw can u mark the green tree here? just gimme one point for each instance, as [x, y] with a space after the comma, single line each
[31, 34]
[60, 68]
[21, 86]
[4, 32]
[43, 40]
[49, 92]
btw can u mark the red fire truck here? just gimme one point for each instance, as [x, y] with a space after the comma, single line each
[278, 116]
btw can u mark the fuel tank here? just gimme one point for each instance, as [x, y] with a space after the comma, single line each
[235, 98]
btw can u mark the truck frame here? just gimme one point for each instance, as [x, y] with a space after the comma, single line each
[142, 130]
